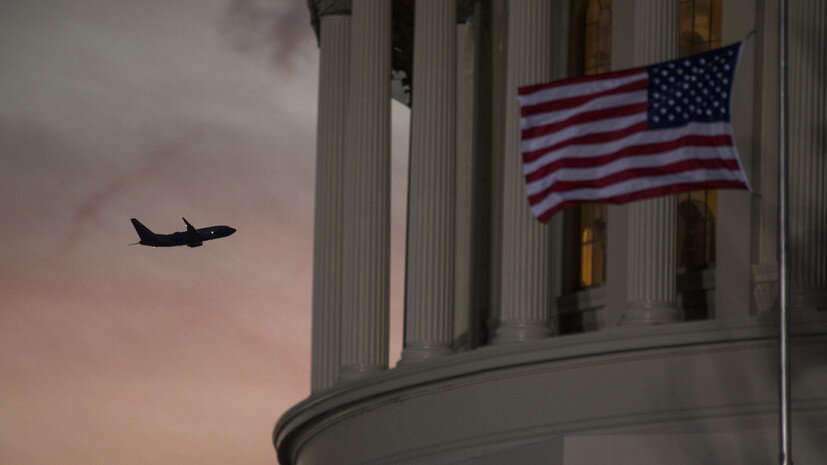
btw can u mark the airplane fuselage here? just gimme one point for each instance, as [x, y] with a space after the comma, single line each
[188, 238]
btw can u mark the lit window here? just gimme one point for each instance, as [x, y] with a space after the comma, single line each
[700, 26]
[592, 244]
[597, 58]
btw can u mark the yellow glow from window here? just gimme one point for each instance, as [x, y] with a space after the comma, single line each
[598, 37]
[586, 254]
[700, 26]
[597, 48]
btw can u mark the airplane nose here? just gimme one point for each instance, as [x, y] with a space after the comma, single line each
[232, 230]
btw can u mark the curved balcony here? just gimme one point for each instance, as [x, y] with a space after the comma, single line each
[703, 392]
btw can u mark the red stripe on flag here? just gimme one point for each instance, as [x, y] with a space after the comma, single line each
[723, 140]
[572, 102]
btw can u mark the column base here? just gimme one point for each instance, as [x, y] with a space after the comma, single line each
[422, 352]
[521, 332]
[649, 314]
[352, 373]
[765, 287]
[807, 299]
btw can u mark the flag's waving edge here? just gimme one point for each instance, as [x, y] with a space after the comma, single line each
[632, 134]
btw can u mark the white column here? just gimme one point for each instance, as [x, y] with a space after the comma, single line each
[764, 175]
[651, 278]
[367, 194]
[429, 289]
[334, 72]
[465, 234]
[808, 154]
[525, 293]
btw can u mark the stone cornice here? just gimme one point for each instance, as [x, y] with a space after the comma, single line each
[402, 42]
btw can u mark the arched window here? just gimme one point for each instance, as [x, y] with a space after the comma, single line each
[700, 30]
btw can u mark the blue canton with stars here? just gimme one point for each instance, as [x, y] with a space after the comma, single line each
[694, 88]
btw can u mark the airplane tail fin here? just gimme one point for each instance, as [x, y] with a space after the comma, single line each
[143, 232]
[190, 228]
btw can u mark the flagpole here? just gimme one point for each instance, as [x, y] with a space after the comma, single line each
[783, 230]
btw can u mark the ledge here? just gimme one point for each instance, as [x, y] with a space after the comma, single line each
[346, 399]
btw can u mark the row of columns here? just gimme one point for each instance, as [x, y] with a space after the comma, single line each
[351, 265]
[352, 233]
[526, 255]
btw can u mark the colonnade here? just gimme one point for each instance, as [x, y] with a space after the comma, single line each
[351, 258]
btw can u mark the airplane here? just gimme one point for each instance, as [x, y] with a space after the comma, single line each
[191, 237]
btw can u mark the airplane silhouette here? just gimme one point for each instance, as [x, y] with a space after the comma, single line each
[191, 237]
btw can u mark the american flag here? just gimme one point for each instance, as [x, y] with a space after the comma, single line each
[632, 134]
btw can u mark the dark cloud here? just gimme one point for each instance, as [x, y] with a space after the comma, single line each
[275, 27]
[154, 163]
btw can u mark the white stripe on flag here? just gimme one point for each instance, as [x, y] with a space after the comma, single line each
[578, 89]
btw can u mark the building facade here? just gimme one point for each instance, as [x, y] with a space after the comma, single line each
[641, 333]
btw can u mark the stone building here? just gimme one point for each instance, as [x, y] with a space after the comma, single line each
[642, 333]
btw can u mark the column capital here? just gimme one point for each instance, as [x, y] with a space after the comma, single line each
[320, 8]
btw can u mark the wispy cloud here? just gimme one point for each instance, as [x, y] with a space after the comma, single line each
[275, 27]
[154, 163]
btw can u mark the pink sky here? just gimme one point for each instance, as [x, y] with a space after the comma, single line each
[115, 109]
